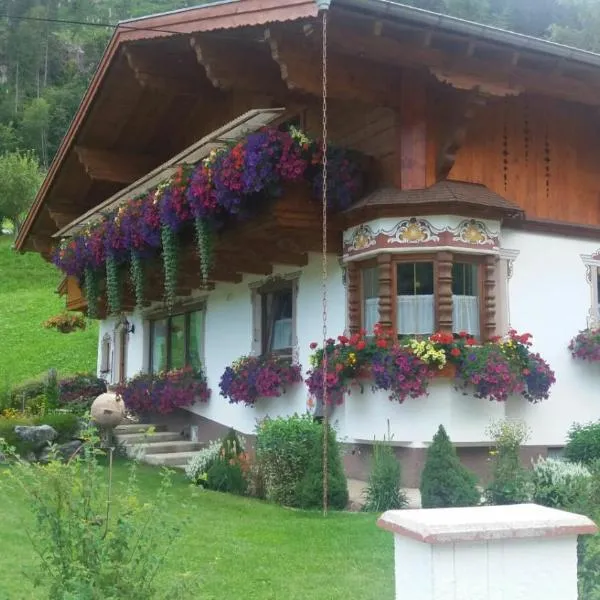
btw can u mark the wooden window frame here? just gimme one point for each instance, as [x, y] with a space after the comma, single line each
[169, 318]
[442, 273]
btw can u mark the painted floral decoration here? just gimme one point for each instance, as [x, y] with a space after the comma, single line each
[231, 183]
[586, 345]
[164, 392]
[252, 377]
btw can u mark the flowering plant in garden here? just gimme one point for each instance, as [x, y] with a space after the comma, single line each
[66, 322]
[79, 388]
[231, 183]
[252, 377]
[586, 345]
[164, 392]
[404, 367]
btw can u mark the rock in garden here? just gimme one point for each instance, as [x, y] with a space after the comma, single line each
[38, 436]
[63, 452]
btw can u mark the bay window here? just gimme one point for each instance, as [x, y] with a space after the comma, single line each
[176, 341]
[418, 294]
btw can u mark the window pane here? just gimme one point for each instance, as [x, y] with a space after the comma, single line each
[158, 343]
[415, 308]
[465, 299]
[415, 279]
[370, 289]
[177, 334]
[277, 319]
[195, 341]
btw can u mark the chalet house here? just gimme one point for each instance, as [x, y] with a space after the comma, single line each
[480, 209]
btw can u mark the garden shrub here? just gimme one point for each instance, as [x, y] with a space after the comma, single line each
[88, 551]
[197, 468]
[309, 493]
[511, 484]
[228, 472]
[559, 484]
[445, 481]
[289, 452]
[384, 490]
[583, 445]
[80, 390]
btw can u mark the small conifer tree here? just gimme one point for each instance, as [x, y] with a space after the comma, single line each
[445, 481]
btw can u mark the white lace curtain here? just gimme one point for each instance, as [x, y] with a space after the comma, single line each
[282, 334]
[465, 314]
[416, 314]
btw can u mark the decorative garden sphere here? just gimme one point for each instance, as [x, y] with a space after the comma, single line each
[108, 410]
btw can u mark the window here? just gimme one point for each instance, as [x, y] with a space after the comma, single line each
[465, 298]
[176, 341]
[274, 315]
[277, 320]
[441, 291]
[105, 352]
[415, 311]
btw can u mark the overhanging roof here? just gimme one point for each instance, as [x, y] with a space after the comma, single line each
[246, 13]
[233, 131]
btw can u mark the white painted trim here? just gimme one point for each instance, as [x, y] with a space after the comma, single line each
[419, 250]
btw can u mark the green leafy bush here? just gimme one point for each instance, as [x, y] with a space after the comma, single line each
[309, 493]
[583, 445]
[228, 472]
[90, 549]
[559, 484]
[510, 483]
[197, 468]
[289, 451]
[384, 491]
[445, 481]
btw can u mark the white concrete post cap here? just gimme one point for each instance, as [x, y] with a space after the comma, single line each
[484, 523]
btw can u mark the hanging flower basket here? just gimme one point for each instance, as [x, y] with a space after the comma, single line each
[66, 322]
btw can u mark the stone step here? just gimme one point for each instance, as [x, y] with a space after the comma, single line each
[151, 447]
[170, 459]
[143, 438]
[128, 428]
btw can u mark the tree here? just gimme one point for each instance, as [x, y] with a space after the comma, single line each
[445, 481]
[19, 182]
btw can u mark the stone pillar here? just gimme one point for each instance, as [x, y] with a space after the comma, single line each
[521, 552]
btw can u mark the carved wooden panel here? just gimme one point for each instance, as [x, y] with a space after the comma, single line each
[443, 296]
[384, 262]
[353, 279]
[489, 297]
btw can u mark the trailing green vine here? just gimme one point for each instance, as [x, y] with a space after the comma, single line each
[205, 246]
[170, 263]
[91, 291]
[136, 273]
[113, 284]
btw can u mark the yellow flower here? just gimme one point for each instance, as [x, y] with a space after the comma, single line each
[351, 358]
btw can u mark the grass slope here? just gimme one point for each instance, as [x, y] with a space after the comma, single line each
[27, 298]
[240, 548]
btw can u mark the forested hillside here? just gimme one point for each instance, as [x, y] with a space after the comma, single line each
[49, 49]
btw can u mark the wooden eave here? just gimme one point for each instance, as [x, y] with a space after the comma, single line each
[159, 72]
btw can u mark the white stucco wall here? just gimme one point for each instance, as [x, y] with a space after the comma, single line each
[549, 297]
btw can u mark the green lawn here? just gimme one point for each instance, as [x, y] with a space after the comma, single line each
[27, 298]
[241, 548]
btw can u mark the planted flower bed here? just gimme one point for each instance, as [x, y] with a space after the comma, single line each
[231, 184]
[164, 392]
[252, 377]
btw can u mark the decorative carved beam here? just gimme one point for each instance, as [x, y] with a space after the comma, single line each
[489, 297]
[367, 82]
[237, 65]
[456, 133]
[354, 309]
[148, 74]
[384, 264]
[104, 165]
[443, 296]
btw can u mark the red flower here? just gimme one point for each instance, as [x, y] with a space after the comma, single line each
[381, 344]
[455, 352]
[361, 345]
[471, 341]
[342, 339]
[463, 334]
[526, 371]
[313, 345]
